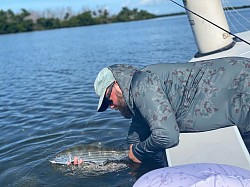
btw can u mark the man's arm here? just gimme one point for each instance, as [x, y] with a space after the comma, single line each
[154, 106]
[138, 132]
[131, 155]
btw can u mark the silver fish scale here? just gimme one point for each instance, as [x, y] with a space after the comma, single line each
[91, 154]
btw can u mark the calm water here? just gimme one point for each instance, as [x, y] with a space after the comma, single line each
[47, 100]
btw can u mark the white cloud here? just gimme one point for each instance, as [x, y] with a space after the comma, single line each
[150, 2]
[127, 3]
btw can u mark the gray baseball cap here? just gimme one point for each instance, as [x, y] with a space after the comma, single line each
[103, 80]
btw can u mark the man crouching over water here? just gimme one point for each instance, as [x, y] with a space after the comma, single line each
[166, 99]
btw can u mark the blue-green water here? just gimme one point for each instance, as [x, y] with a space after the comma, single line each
[47, 100]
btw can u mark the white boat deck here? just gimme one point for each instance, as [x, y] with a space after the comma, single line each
[240, 49]
[222, 146]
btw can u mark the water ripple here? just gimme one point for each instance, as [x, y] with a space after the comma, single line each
[47, 99]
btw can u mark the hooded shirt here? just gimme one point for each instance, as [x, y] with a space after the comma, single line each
[166, 99]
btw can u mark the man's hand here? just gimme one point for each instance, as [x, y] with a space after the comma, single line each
[132, 156]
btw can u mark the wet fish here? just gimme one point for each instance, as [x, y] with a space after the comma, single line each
[95, 160]
[90, 154]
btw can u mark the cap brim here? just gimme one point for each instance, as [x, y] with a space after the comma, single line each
[103, 104]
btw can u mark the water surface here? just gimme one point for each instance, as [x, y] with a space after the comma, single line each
[47, 100]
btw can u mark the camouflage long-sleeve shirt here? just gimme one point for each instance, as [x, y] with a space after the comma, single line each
[166, 99]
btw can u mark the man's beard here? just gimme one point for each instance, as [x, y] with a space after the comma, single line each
[124, 109]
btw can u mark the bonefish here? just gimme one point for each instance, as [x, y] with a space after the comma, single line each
[90, 154]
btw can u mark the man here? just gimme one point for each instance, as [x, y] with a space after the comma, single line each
[166, 99]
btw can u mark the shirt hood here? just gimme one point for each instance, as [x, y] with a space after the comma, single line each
[123, 74]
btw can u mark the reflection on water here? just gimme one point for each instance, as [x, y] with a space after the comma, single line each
[47, 100]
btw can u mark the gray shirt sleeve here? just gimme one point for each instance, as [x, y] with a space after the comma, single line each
[156, 111]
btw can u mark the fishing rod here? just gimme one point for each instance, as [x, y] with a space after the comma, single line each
[210, 22]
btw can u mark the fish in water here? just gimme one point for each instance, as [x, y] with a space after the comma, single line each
[91, 160]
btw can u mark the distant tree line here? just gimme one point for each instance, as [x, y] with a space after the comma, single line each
[26, 21]
[238, 7]
[51, 19]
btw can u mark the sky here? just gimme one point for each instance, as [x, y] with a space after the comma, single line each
[113, 6]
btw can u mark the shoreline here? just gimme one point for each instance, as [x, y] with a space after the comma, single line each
[27, 24]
